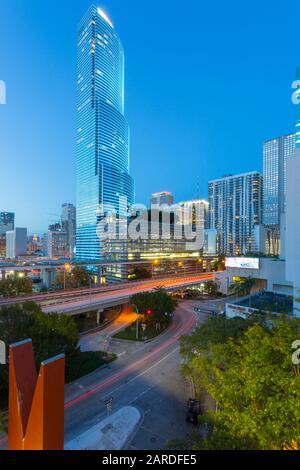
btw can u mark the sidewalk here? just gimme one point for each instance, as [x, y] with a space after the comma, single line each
[113, 433]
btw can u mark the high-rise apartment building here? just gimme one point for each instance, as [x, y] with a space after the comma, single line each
[102, 157]
[276, 153]
[7, 222]
[235, 208]
[68, 224]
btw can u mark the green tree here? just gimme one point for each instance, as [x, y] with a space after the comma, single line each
[243, 286]
[50, 334]
[139, 273]
[250, 378]
[211, 288]
[16, 285]
[76, 278]
[159, 302]
[218, 264]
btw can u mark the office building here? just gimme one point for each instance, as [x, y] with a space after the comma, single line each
[276, 153]
[16, 243]
[2, 246]
[7, 222]
[68, 224]
[235, 208]
[56, 244]
[103, 146]
[163, 197]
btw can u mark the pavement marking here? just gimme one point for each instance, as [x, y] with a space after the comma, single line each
[141, 395]
[142, 373]
[122, 353]
[154, 433]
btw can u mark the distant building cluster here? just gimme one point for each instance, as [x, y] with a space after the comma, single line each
[58, 242]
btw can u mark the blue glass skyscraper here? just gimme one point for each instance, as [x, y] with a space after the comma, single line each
[102, 156]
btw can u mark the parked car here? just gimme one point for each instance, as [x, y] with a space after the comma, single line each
[193, 411]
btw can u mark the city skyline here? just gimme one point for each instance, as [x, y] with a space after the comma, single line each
[149, 229]
[208, 157]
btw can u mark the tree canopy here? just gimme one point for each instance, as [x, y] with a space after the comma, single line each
[76, 278]
[51, 334]
[158, 302]
[16, 285]
[247, 369]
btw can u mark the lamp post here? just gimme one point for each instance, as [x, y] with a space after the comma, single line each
[155, 263]
[137, 321]
[90, 281]
[67, 267]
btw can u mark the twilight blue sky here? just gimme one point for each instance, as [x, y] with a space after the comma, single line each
[206, 84]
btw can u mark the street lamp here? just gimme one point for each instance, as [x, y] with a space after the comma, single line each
[67, 267]
[155, 263]
[137, 321]
[90, 281]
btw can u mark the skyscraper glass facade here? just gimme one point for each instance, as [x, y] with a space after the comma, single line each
[102, 157]
[235, 208]
[7, 222]
[276, 152]
[298, 115]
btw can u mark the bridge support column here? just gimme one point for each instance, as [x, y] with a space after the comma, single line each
[48, 277]
[3, 273]
[99, 311]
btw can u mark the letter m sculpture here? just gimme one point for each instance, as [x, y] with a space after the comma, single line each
[36, 403]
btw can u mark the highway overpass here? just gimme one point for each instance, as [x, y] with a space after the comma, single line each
[121, 295]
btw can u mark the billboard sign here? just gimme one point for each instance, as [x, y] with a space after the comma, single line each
[244, 263]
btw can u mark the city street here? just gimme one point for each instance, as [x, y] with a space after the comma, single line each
[145, 375]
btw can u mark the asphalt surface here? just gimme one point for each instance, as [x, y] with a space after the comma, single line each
[146, 375]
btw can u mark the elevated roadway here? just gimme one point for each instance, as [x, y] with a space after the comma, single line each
[121, 295]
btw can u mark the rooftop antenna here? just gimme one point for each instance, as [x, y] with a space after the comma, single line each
[198, 188]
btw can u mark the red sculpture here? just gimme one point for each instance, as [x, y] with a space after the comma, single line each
[36, 403]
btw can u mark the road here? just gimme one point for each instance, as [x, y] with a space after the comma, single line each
[146, 375]
[100, 340]
[109, 299]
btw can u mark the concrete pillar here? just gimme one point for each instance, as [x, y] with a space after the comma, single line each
[99, 276]
[48, 276]
[99, 311]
